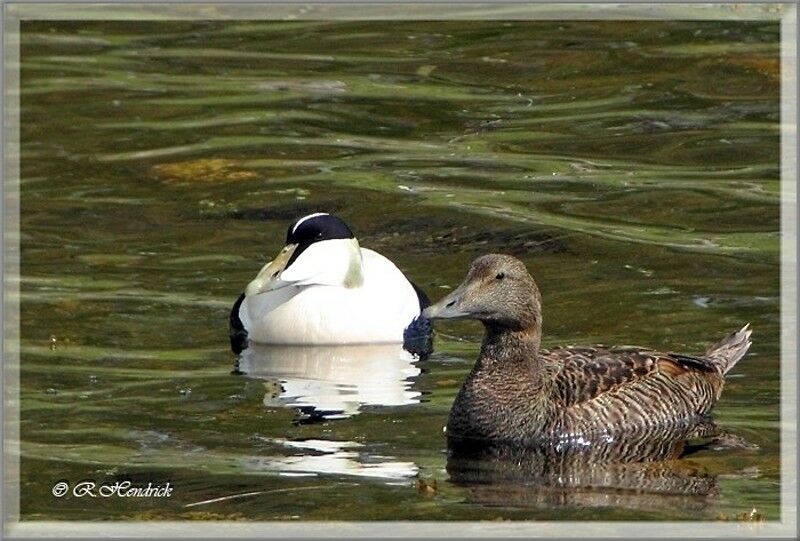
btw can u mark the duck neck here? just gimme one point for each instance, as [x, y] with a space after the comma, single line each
[512, 346]
[354, 276]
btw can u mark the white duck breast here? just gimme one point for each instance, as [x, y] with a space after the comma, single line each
[333, 292]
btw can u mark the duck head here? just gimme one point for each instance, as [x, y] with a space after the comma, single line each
[320, 250]
[498, 291]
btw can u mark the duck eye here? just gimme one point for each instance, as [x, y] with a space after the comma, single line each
[500, 275]
[319, 235]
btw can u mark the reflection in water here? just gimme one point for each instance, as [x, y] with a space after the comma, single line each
[640, 472]
[330, 382]
[333, 457]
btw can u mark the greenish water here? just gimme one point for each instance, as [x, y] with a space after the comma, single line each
[633, 166]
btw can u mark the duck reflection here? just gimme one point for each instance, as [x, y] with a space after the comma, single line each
[326, 457]
[330, 382]
[635, 471]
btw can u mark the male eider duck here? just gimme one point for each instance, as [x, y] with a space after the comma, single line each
[520, 394]
[324, 289]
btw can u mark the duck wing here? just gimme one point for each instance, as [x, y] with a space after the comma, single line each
[585, 373]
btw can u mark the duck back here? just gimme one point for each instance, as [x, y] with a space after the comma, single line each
[378, 311]
[589, 392]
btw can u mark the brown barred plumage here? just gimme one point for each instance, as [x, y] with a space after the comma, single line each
[521, 394]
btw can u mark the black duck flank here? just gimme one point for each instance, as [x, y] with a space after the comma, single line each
[519, 393]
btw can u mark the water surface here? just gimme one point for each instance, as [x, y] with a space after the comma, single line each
[633, 166]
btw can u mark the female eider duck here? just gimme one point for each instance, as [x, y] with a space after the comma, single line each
[520, 394]
[324, 289]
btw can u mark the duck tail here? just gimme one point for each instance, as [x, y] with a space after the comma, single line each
[727, 352]
[236, 328]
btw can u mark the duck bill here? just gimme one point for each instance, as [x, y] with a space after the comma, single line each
[269, 277]
[448, 307]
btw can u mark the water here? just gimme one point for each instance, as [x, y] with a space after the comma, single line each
[633, 166]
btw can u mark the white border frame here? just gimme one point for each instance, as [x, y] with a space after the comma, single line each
[785, 12]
